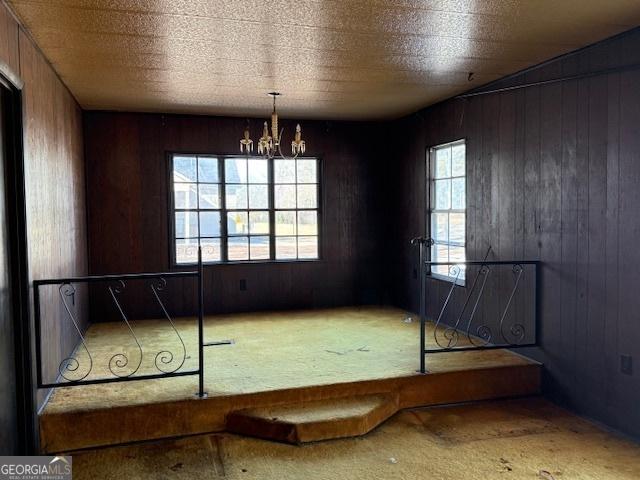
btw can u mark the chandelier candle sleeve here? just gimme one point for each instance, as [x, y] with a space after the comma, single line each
[246, 144]
[265, 145]
[297, 146]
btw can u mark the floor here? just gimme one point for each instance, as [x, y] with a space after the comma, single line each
[513, 439]
[271, 351]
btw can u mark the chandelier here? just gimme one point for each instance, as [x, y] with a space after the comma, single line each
[269, 145]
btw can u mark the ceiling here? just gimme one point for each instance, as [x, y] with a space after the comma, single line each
[332, 59]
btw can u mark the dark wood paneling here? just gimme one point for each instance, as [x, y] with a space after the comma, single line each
[128, 187]
[553, 174]
[55, 197]
[9, 41]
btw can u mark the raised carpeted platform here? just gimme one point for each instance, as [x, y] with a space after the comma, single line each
[276, 359]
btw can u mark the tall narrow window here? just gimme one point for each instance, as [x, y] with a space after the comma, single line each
[244, 209]
[296, 208]
[247, 205]
[196, 200]
[448, 208]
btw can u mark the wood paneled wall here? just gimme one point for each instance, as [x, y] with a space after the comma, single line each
[54, 182]
[55, 196]
[553, 174]
[128, 189]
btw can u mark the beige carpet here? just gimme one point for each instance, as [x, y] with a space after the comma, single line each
[517, 439]
[272, 350]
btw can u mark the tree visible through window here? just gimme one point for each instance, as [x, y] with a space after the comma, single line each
[244, 209]
[448, 207]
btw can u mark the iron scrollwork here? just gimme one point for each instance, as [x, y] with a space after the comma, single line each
[479, 336]
[517, 330]
[121, 360]
[72, 364]
[483, 332]
[165, 357]
[450, 334]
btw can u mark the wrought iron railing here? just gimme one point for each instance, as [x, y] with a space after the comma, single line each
[457, 326]
[75, 370]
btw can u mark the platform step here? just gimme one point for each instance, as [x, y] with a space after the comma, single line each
[314, 421]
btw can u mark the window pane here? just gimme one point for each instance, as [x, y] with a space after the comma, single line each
[258, 196]
[440, 253]
[307, 223]
[186, 224]
[457, 254]
[208, 169]
[259, 248]
[258, 222]
[458, 197]
[285, 223]
[238, 248]
[187, 251]
[284, 171]
[209, 196]
[307, 171]
[285, 196]
[210, 224]
[443, 162]
[235, 170]
[258, 171]
[307, 196]
[210, 249]
[443, 194]
[286, 248]
[440, 227]
[456, 228]
[237, 223]
[236, 196]
[185, 195]
[184, 169]
[307, 247]
[458, 160]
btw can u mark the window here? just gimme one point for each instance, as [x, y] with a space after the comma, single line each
[448, 207]
[244, 209]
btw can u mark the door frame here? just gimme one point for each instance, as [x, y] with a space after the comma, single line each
[12, 110]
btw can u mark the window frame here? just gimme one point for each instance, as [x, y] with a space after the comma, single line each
[224, 236]
[431, 206]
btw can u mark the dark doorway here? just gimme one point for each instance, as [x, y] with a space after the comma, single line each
[8, 408]
[17, 415]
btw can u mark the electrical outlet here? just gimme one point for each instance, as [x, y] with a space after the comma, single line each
[243, 285]
[626, 364]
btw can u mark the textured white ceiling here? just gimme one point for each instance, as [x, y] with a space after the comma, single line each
[356, 59]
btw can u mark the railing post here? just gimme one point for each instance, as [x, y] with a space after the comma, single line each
[38, 339]
[421, 242]
[201, 392]
[536, 304]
